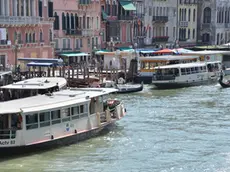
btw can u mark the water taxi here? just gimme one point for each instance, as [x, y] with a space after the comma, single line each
[63, 117]
[148, 64]
[32, 87]
[188, 74]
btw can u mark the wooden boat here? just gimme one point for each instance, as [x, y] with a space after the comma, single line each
[129, 88]
[50, 120]
[32, 87]
[222, 83]
[186, 75]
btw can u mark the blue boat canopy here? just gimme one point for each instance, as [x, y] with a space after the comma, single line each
[34, 64]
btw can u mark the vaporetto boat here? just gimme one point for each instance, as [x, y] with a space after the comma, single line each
[188, 74]
[63, 117]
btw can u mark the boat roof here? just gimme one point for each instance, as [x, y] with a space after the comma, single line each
[183, 65]
[37, 83]
[56, 100]
[206, 52]
[169, 57]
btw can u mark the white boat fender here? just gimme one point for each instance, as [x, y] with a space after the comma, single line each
[52, 137]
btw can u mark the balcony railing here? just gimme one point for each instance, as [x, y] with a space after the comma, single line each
[125, 17]
[87, 32]
[12, 20]
[160, 39]
[73, 32]
[183, 24]
[160, 19]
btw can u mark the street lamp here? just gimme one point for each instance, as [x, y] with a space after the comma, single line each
[16, 49]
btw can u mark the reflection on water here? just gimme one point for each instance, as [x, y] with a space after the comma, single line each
[164, 131]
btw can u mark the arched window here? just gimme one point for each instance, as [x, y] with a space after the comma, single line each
[189, 14]
[41, 36]
[30, 37]
[56, 21]
[40, 7]
[185, 15]
[50, 35]
[217, 39]
[63, 22]
[114, 9]
[15, 36]
[207, 15]
[34, 37]
[188, 33]
[76, 21]
[67, 21]
[180, 17]
[194, 15]
[72, 21]
[27, 38]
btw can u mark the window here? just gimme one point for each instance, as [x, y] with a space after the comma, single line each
[88, 41]
[56, 117]
[65, 114]
[63, 22]
[207, 15]
[97, 23]
[44, 119]
[51, 35]
[68, 44]
[41, 36]
[34, 39]
[31, 121]
[75, 111]
[64, 44]
[81, 44]
[189, 14]
[56, 21]
[50, 8]
[193, 34]
[77, 46]
[39, 8]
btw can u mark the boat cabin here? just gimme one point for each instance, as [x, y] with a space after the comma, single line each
[148, 64]
[48, 117]
[170, 72]
[31, 87]
[6, 77]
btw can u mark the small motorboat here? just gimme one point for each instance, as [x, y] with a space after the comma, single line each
[129, 88]
[222, 83]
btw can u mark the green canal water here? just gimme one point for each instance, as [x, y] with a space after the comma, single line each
[180, 130]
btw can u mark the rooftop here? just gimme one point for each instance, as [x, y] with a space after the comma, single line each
[169, 57]
[56, 100]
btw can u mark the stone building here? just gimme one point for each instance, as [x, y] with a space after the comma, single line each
[26, 29]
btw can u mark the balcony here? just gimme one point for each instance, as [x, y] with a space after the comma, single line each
[19, 20]
[160, 39]
[206, 26]
[183, 24]
[125, 17]
[87, 32]
[73, 32]
[160, 19]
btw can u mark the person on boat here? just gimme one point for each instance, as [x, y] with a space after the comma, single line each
[57, 87]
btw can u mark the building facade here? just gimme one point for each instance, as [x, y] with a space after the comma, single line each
[215, 22]
[117, 23]
[187, 22]
[160, 23]
[26, 30]
[77, 25]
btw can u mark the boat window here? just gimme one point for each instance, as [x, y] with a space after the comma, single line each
[31, 121]
[56, 117]
[44, 119]
[83, 111]
[192, 70]
[187, 70]
[65, 114]
[183, 72]
[75, 112]
[196, 70]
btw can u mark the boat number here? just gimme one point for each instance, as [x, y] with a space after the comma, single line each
[12, 142]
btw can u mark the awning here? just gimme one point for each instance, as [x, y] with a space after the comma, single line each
[127, 5]
[104, 15]
[40, 64]
[74, 54]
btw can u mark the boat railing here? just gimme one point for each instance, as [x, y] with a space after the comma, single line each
[164, 77]
[8, 134]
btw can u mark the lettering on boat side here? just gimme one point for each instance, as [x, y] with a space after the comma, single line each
[12, 142]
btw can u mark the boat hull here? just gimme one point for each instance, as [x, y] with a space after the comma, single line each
[130, 90]
[143, 79]
[173, 85]
[55, 143]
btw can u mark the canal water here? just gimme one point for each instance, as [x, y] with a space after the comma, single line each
[185, 130]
